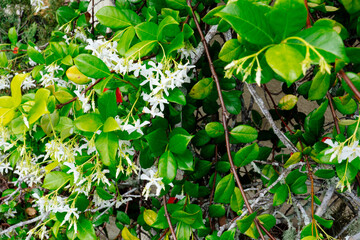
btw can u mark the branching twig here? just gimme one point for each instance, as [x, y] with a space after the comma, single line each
[21, 224]
[168, 218]
[267, 115]
[324, 204]
[343, 75]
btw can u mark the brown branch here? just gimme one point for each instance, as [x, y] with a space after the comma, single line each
[308, 22]
[343, 75]
[213, 187]
[142, 5]
[168, 218]
[225, 116]
[336, 121]
[313, 221]
[59, 106]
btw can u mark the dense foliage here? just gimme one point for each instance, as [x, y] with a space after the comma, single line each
[137, 119]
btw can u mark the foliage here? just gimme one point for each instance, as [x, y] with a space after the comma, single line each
[138, 117]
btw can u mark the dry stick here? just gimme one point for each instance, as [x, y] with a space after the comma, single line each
[343, 75]
[21, 224]
[168, 218]
[225, 116]
[289, 145]
[328, 95]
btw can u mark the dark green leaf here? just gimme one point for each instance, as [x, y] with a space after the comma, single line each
[224, 189]
[107, 146]
[246, 155]
[91, 66]
[244, 133]
[167, 167]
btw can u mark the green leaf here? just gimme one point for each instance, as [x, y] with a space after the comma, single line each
[126, 235]
[246, 155]
[326, 223]
[141, 49]
[126, 38]
[325, 173]
[13, 36]
[210, 17]
[91, 66]
[14, 157]
[40, 106]
[86, 229]
[228, 235]
[65, 14]
[319, 86]
[122, 217]
[285, 61]
[236, 200]
[183, 231]
[232, 101]
[299, 186]
[185, 161]
[103, 194]
[167, 167]
[244, 133]
[281, 194]
[326, 41]
[35, 55]
[230, 50]
[288, 102]
[245, 223]
[113, 17]
[287, 17]
[55, 180]
[157, 141]
[294, 158]
[202, 89]
[3, 60]
[352, 6]
[107, 105]
[146, 31]
[182, 216]
[224, 189]
[16, 89]
[111, 125]
[217, 210]
[107, 145]
[344, 107]
[90, 122]
[178, 143]
[249, 21]
[167, 22]
[176, 96]
[214, 129]
[355, 79]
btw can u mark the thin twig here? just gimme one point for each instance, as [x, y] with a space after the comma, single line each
[336, 121]
[343, 75]
[168, 218]
[21, 224]
[267, 115]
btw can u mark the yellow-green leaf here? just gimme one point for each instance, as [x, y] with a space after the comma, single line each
[76, 76]
[111, 125]
[149, 217]
[288, 102]
[6, 115]
[16, 88]
[127, 235]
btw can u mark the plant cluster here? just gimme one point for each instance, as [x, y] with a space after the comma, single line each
[139, 118]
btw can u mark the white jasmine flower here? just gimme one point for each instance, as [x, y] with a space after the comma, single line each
[137, 127]
[5, 167]
[5, 81]
[334, 150]
[38, 5]
[350, 152]
[28, 83]
[154, 112]
[151, 176]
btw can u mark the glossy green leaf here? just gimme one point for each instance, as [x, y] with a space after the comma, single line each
[294, 158]
[230, 51]
[217, 210]
[107, 105]
[326, 223]
[185, 161]
[141, 49]
[90, 122]
[245, 223]
[157, 141]
[35, 55]
[281, 194]
[146, 31]
[244, 133]
[214, 129]
[345, 107]
[86, 229]
[178, 143]
[224, 189]
[236, 200]
[167, 167]
[232, 101]
[287, 17]
[164, 25]
[285, 61]
[202, 89]
[55, 180]
[91, 66]
[249, 20]
[113, 17]
[182, 216]
[176, 96]
[319, 86]
[13, 36]
[107, 145]
[125, 39]
[299, 186]
[246, 155]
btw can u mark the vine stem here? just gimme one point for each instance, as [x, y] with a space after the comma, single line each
[336, 122]
[225, 116]
[308, 22]
[168, 218]
[59, 106]
[343, 75]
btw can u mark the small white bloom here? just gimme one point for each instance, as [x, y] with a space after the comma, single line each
[151, 176]
[137, 127]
